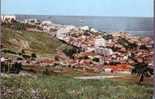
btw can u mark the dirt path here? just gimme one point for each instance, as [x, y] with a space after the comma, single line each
[95, 77]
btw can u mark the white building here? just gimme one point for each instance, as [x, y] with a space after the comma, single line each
[49, 28]
[90, 49]
[100, 41]
[93, 30]
[87, 28]
[84, 28]
[3, 59]
[104, 51]
[7, 18]
[31, 21]
[46, 23]
[64, 32]
[100, 46]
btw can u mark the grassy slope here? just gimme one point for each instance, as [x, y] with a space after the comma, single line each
[39, 43]
[63, 87]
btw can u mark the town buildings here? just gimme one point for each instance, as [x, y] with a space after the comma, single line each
[96, 49]
[32, 21]
[8, 18]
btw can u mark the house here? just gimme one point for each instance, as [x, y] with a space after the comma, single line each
[31, 21]
[104, 51]
[62, 33]
[93, 30]
[46, 23]
[85, 28]
[3, 59]
[8, 18]
[49, 29]
[119, 34]
[100, 41]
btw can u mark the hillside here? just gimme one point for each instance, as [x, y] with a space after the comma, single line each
[36, 42]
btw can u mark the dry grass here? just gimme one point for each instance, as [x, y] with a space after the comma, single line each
[64, 87]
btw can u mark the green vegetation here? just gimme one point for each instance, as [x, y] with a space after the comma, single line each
[8, 51]
[107, 37]
[142, 70]
[33, 42]
[63, 87]
[33, 56]
[70, 51]
[127, 44]
[15, 25]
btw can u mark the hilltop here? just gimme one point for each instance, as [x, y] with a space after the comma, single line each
[31, 42]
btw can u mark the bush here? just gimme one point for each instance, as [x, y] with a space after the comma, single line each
[107, 37]
[96, 59]
[70, 51]
[33, 56]
[26, 56]
[15, 25]
[19, 26]
[8, 51]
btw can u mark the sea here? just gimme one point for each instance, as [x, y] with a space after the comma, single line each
[134, 25]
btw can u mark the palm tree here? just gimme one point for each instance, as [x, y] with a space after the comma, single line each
[143, 70]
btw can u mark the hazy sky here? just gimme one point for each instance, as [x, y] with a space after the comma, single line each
[79, 7]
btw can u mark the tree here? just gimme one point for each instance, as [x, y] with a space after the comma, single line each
[96, 59]
[19, 26]
[26, 56]
[142, 70]
[107, 37]
[13, 21]
[33, 56]
[70, 51]
[23, 51]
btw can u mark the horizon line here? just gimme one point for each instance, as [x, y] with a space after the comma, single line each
[79, 15]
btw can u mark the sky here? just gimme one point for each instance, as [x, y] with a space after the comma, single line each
[134, 8]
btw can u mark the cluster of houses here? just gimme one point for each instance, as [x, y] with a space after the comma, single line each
[98, 50]
[113, 53]
[119, 48]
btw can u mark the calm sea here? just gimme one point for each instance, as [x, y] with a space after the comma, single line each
[133, 25]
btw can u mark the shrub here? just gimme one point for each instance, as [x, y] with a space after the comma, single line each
[8, 51]
[69, 51]
[33, 56]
